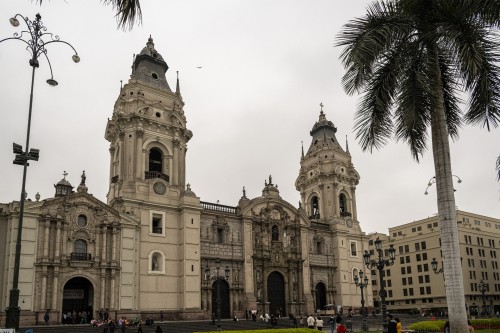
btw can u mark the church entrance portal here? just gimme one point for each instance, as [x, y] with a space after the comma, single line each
[225, 311]
[276, 294]
[320, 296]
[78, 297]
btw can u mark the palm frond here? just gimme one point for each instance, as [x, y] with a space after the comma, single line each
[414, 102]
[373, 124]
[127, 12]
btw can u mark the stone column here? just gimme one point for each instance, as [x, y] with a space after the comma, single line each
[104, 232]
[112, 290]
[103, 289]
[55, 288]
[64, 242]
[46, 240]
[322, 201]
[175, 173]
[43, 295]
[138, 153]
[97, 255]
[112, 171]
[113, 245]
[58, 242]
[121, 156]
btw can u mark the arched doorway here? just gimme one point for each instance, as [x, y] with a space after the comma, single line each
[78, 297]
[320, 291]
[225, 311]
[276, 293]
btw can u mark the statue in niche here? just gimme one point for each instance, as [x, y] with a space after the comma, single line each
[155, 264]
[257, 274]
[295, 294]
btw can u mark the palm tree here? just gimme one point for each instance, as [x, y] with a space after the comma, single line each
[127, 12]
[411, 59]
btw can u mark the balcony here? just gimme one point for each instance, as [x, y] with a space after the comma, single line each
[345, 214]
[81, 256]
[156, 174]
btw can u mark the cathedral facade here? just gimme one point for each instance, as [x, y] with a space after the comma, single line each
[156, 247]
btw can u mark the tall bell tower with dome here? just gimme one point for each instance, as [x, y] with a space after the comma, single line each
[148, 142]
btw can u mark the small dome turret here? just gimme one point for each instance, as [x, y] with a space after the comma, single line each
[149, 67]
[63, 187]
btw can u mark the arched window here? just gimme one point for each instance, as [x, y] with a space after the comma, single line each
[156, 263]
[82, 221]
[275, 233]
[80, 246]
[355, 272]
[155, 160]
[315, 207]
[80, 250]
[220, 235]
[342, 203]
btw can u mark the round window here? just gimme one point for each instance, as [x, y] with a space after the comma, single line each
[82, 221]
[155, 76]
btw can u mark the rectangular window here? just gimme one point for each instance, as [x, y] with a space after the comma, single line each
[157, 223]
[427, 279]
[410, 290]
[423, 245]
[407, 259]
[426, 267]
[424, 256]
[388, 272]
[428, 290]
[400, 249]
[419, 268]
[417, 246]
[422, 291]
[408, 269]
[403, 280]
[419, 257]
[401, 260]
[354, 252]
[410, 280]
[420, 279]
[403, 270]
[405, 292]
[407, 248]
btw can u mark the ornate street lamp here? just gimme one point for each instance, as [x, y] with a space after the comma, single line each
[217, 278]
[36, 46]
[433, 181]
[362, 283]
[482, 286]
[434, 265]
[380, 263]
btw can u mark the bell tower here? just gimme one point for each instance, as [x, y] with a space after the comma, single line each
[327, 179]
[148, 142]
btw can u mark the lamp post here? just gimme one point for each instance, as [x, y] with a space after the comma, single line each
[482, 288]
[433, 181]
[217, 278]
[362, 283]
[434, 265]
[36, 46]
[380, 263]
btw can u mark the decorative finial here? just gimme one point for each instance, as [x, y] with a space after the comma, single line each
[302, 142]
[270, 180]
[244, 192]
[121, 85]
[321, 104]
[346, 144]
[37, 196]
[65, 174]
[177, 87]
[83, 178]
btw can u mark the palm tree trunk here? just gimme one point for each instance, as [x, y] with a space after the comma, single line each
[454, 285]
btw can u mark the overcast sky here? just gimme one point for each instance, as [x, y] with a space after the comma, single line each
[266, 67]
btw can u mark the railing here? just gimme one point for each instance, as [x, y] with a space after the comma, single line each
[157, 230]
[114, 179]
[218, 208]
[81, 256]
[156, 174]
[344, 214]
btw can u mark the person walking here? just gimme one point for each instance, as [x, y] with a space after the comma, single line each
[399, 326]
[319, 323]
[310, 322]
[158, 329]
[391, 325]
[46, 318]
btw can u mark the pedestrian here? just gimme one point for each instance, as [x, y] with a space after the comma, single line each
[310, 322]
[301, 322]
[399, 326]
[46, 318]
[158, 329]
[447, 327]
[471, 328]
[139, 327]
[341, 328]
[331, 321]
[319, 323]
[213, 318]
[392, 325]
[161, 316]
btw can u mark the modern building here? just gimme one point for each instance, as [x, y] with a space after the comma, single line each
[411, 283]
[154, 246]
